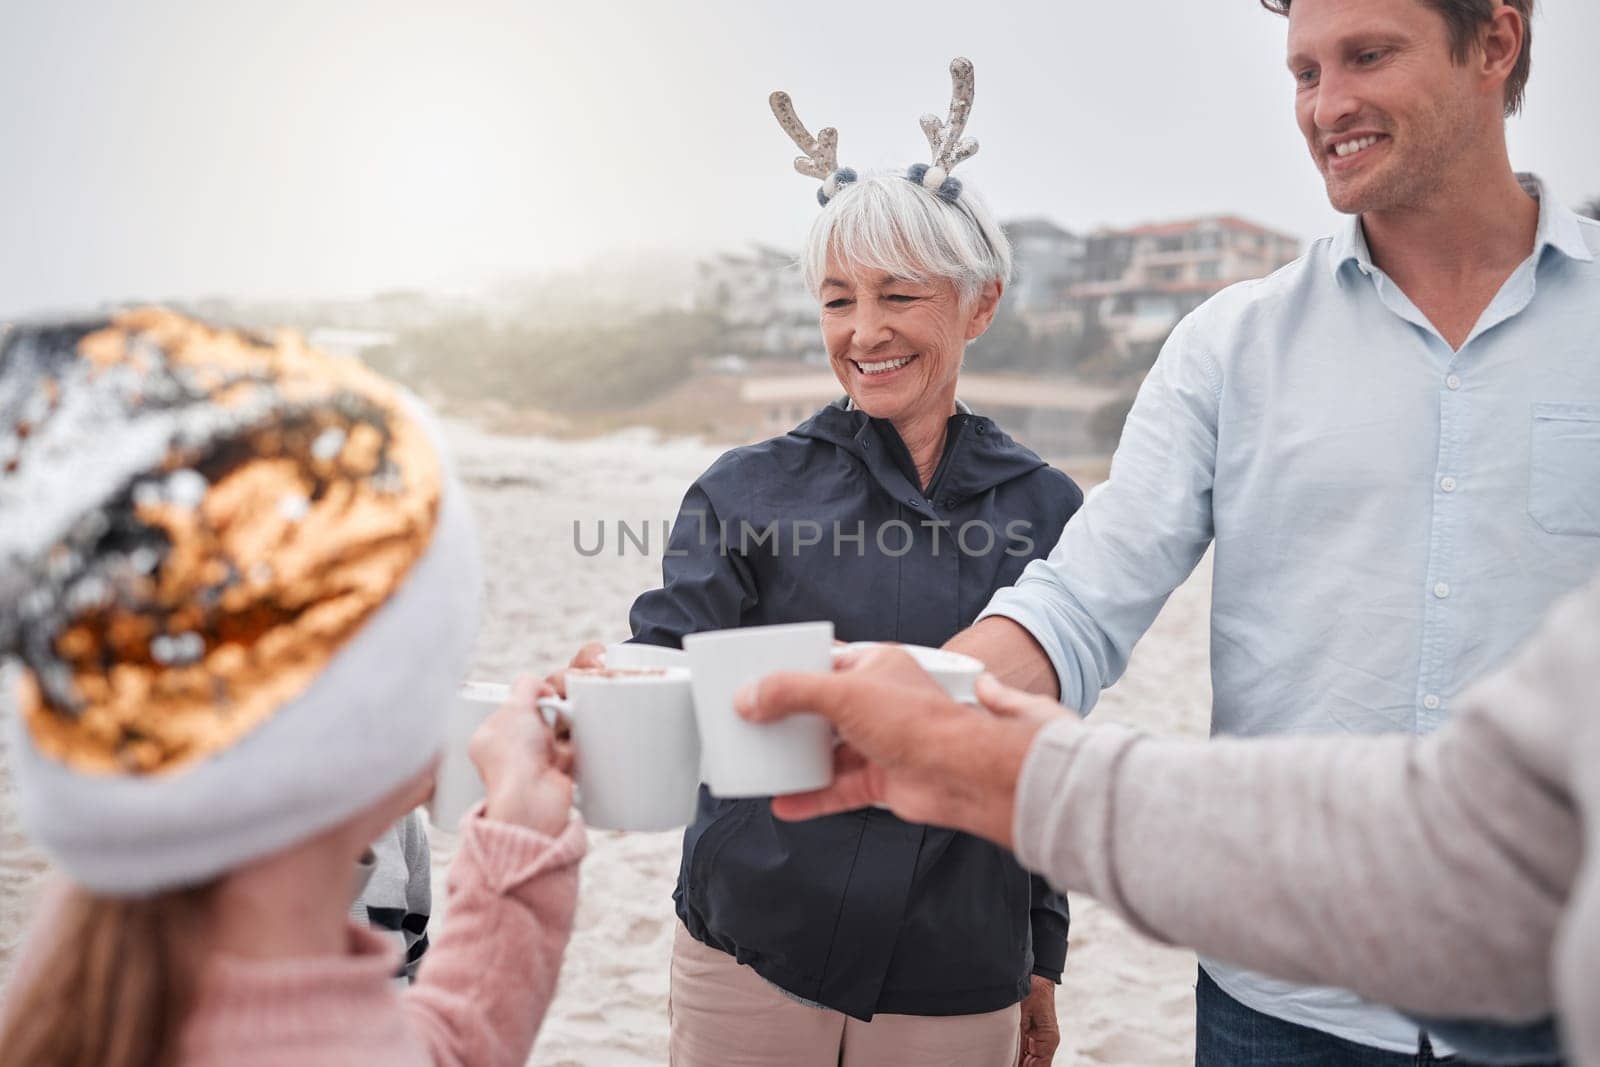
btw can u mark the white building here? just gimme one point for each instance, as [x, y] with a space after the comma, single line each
[764, 302]
[1048, 260]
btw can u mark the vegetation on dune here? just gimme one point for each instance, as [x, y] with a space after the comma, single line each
[598, 367]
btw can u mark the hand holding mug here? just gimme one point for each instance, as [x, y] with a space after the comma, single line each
[638, 754]
[526, 772]
[907, 744]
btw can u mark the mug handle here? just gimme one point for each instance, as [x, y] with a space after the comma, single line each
[555, 711]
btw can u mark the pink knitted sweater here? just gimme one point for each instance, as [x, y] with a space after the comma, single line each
[479, 998]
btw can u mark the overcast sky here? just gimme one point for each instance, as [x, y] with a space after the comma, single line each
[175, 148]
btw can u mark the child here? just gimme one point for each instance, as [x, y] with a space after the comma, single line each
[242, 583]
[399, 894]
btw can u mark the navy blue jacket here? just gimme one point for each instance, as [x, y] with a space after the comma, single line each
[861, 912]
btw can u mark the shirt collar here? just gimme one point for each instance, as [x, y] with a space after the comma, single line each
[1559, 228]
[1350, 245]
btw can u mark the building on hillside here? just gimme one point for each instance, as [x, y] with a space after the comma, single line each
[1137, 283]
[1112, 295]
[1048, 260]
[1212, 251]
[764, 303]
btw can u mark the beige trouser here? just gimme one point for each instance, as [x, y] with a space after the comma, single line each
[725, 1015]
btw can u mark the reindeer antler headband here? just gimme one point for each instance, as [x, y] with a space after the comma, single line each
[821, 159]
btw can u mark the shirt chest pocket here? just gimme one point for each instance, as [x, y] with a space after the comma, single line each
[1564, 481]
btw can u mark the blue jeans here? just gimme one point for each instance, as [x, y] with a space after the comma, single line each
[1229, 1034]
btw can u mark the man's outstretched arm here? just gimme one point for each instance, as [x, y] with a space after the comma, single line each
[1068, 626]
[1429, 874]
[1011, 654]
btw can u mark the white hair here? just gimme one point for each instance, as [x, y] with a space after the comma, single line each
[882, 222]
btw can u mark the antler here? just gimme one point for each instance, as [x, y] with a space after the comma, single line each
[821, 157]
[949, 147]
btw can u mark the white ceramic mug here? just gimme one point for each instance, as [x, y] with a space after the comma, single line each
[745, 759]
[458, 786]
[956, 672]
[638, 752]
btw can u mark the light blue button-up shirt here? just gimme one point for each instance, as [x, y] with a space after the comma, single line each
[1390, 518]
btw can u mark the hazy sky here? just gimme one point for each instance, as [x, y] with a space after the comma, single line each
[175, 148]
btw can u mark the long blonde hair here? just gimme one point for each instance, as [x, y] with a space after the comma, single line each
[113, 989]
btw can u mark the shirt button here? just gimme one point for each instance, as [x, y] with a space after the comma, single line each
[1430, 702]
[1448, 484]
[948, 504]
[1453, 382]
[1441, 590]
[912, 501]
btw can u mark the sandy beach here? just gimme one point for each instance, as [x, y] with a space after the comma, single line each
[1124, 1001]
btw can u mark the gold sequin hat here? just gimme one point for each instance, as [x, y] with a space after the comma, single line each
[240, 583]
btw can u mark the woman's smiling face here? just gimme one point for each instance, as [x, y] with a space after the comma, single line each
[896, 344]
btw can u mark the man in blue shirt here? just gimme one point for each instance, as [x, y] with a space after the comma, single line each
[1392, 445]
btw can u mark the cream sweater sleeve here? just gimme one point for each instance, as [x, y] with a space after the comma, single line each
[1431, 875]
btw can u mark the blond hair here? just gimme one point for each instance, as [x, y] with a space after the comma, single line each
[114, 987]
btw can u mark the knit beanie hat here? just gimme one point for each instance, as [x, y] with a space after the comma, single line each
[240, 582]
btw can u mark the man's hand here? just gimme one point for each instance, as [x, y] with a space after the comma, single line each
[1040, 1034]
[907, 745]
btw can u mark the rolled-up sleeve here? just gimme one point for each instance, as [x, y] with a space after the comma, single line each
[1137, 536]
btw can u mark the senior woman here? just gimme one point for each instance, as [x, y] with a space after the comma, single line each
[897, 511]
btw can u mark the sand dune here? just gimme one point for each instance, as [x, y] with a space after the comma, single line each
[1124, 1000]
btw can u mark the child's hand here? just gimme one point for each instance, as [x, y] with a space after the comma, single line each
[526, 771]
